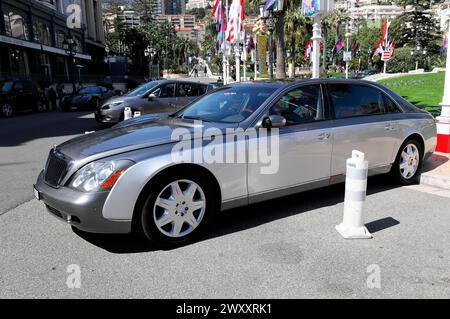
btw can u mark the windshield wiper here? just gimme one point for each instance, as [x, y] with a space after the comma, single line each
[194, 118]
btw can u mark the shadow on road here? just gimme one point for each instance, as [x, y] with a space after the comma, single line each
[243, 218]
[381, 224]
[26, 127]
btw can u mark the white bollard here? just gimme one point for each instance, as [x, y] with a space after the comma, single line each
[137, 113]
[355, 194]
[127, 114]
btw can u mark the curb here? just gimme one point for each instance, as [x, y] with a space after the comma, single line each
[436, 171]
[434, 180]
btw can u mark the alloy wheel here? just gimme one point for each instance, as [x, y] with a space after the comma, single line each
[179, 208]
[7, 110]
[409, 161]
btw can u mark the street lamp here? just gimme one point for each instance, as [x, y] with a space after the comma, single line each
[267, 17]
[70, 46]
[347, 36]
[150, 52]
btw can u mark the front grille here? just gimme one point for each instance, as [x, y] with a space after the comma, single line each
[54, 211]
[55, 170]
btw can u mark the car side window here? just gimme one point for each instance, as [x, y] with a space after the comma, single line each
[166, 90]
[389, 105]
[355, 100]
[300, 105]
[202, 89]
[187, 89]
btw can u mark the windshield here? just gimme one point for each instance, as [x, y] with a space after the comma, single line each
[6, 86]
[228, 104]
[143, 88]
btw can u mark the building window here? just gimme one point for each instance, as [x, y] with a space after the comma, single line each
[79, 44]
[18, 63]
[16, 26]
[60, 37]
[42, 33]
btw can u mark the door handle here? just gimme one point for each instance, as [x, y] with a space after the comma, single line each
[323, 136]
[389, 127]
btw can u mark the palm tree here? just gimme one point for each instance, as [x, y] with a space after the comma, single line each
[335, 21]
[279, 33]
[295, 29]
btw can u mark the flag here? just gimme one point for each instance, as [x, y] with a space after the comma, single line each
[216, 5]
[220, 25]
[338, 46]
[308, 49]
[443, 47]
[269, 3]
[235, 21]
[386, 43]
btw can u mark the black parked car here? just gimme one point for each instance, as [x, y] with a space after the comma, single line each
[162, 96]
[20, 95]
[87, 98]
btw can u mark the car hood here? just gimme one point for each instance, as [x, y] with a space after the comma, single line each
[123, 98]
[131, 137]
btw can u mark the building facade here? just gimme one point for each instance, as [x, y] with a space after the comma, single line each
[197, 4]
[32, 33]
[173, 6]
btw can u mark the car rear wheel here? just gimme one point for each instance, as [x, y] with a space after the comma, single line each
[177, 210]
[7, 110]
[408, 162]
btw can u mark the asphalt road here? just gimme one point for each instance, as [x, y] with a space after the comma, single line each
[285, 248]
[24, 144]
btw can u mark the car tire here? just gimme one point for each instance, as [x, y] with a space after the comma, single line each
[39, 107]
[7, 110]
[186, 213]
[406, 168]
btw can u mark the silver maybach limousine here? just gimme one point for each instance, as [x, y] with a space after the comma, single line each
[124, 178]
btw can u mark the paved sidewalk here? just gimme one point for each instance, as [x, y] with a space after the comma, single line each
[436, 171]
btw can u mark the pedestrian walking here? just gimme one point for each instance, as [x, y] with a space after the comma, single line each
[60, 95]
[51, 97]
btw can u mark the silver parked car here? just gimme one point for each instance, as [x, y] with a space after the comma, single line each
[161, 96]
[124, 178]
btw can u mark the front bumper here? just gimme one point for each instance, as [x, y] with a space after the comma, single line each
[79, 209]
[107, 116]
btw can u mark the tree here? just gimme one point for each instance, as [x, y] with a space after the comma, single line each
[297, 29]
[367, 38]
[279, 33]
[335, 24]
[415, 26]
[145, 9]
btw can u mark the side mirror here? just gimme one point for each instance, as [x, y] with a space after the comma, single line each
[274, 121]
[151, 96]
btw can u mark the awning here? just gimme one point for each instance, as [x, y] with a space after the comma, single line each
[40, 47]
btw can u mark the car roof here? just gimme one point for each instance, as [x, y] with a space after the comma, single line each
[286, 83]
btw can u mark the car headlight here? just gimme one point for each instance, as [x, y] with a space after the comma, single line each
[99, 175]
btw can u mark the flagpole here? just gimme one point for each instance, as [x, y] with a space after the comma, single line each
[225, 55]
[237, 42]
[244, 57]
[256, 57]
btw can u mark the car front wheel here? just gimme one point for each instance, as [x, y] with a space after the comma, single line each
[408, 162]
[177, 210]
[7, 110]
